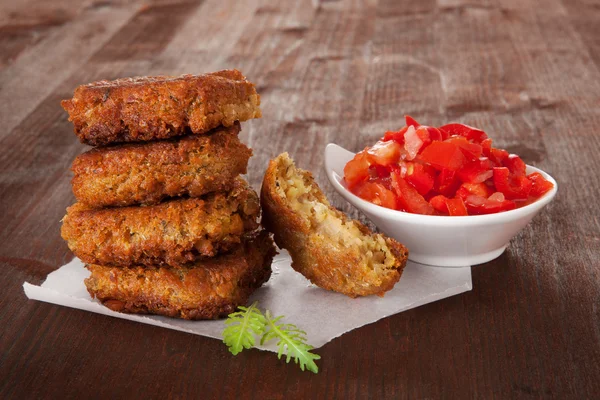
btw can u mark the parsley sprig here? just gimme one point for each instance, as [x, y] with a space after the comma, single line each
[243, 326]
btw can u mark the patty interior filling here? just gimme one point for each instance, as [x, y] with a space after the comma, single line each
[303, 196]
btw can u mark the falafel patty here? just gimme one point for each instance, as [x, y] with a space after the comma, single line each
[331, 250]
[174, 233]
[146, 173]
[151, 108]
[207, 289]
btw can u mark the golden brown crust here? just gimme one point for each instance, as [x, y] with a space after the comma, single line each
[318, 256]
[174, 232]
[150, 108]
[146, 173]
[208, 289]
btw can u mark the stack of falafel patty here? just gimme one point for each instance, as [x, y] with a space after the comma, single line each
[163, 220]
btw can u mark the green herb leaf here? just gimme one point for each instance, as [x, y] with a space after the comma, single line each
[242, 326]
[292, 343]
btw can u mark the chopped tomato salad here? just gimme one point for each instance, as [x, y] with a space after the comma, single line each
[450, 170]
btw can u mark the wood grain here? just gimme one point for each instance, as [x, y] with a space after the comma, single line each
[526, 71]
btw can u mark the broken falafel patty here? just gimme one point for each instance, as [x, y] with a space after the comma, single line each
[175, 232]
[206, 289]
[151, 108]
[146, 173]
[331, 250]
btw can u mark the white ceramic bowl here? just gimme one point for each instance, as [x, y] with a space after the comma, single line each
[440, 240]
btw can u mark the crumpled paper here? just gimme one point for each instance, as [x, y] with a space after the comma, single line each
[324, 315]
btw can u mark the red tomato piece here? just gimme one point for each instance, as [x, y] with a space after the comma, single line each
[379, 171]
[471, 150]
[540, 186]
[420, 178]
[476, 171]
[447, 182]
[439, 203]
[444, 134]
[357, 170]
[512, 187]
[474, 134]
[486, 144]
[376, 193]
[395, 136]
[443, 155]
[410, 121]
[423, 134]
[456, 206]
[515, 165]
[434, 133]
[408, 198]
[477, 205]
[384, 153]
[496, 156]
[477, 189]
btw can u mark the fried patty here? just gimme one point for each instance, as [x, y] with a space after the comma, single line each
[150, 108]
[207, 289]
[331, 250]
[137, 173]
[175, 232]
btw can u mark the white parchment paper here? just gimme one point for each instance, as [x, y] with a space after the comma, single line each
[322, 314]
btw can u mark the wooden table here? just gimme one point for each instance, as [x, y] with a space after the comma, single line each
[526, 71]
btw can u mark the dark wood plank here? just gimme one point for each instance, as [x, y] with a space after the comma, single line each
[328, 71]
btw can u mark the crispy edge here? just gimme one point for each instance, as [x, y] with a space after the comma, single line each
[150, 108]
[146, 173]
[175, 232]
[313, 255]
[206, 290]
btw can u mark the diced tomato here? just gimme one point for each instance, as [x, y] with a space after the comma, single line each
[443, 155]
[420, 178]
[376, 193]
[476, 171]
[439, 203]
[540, 186]
[444, 205]
[471, 150]
[423, 134]
[447, 182]
[383, 176]
[496, 156]
[377, 171]
[478, 205]
[474, 134]
[410, 121]
[456, 206]
[512, 187]
[434, 133]
[486, 145]
[397, 136]
[452, 170]
[515, 165]
[401, 169]
[357, 170]
[444, 134]
[408, 198]
[477, 189]
[384, 153]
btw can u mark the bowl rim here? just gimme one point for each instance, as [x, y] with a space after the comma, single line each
[505, 216]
